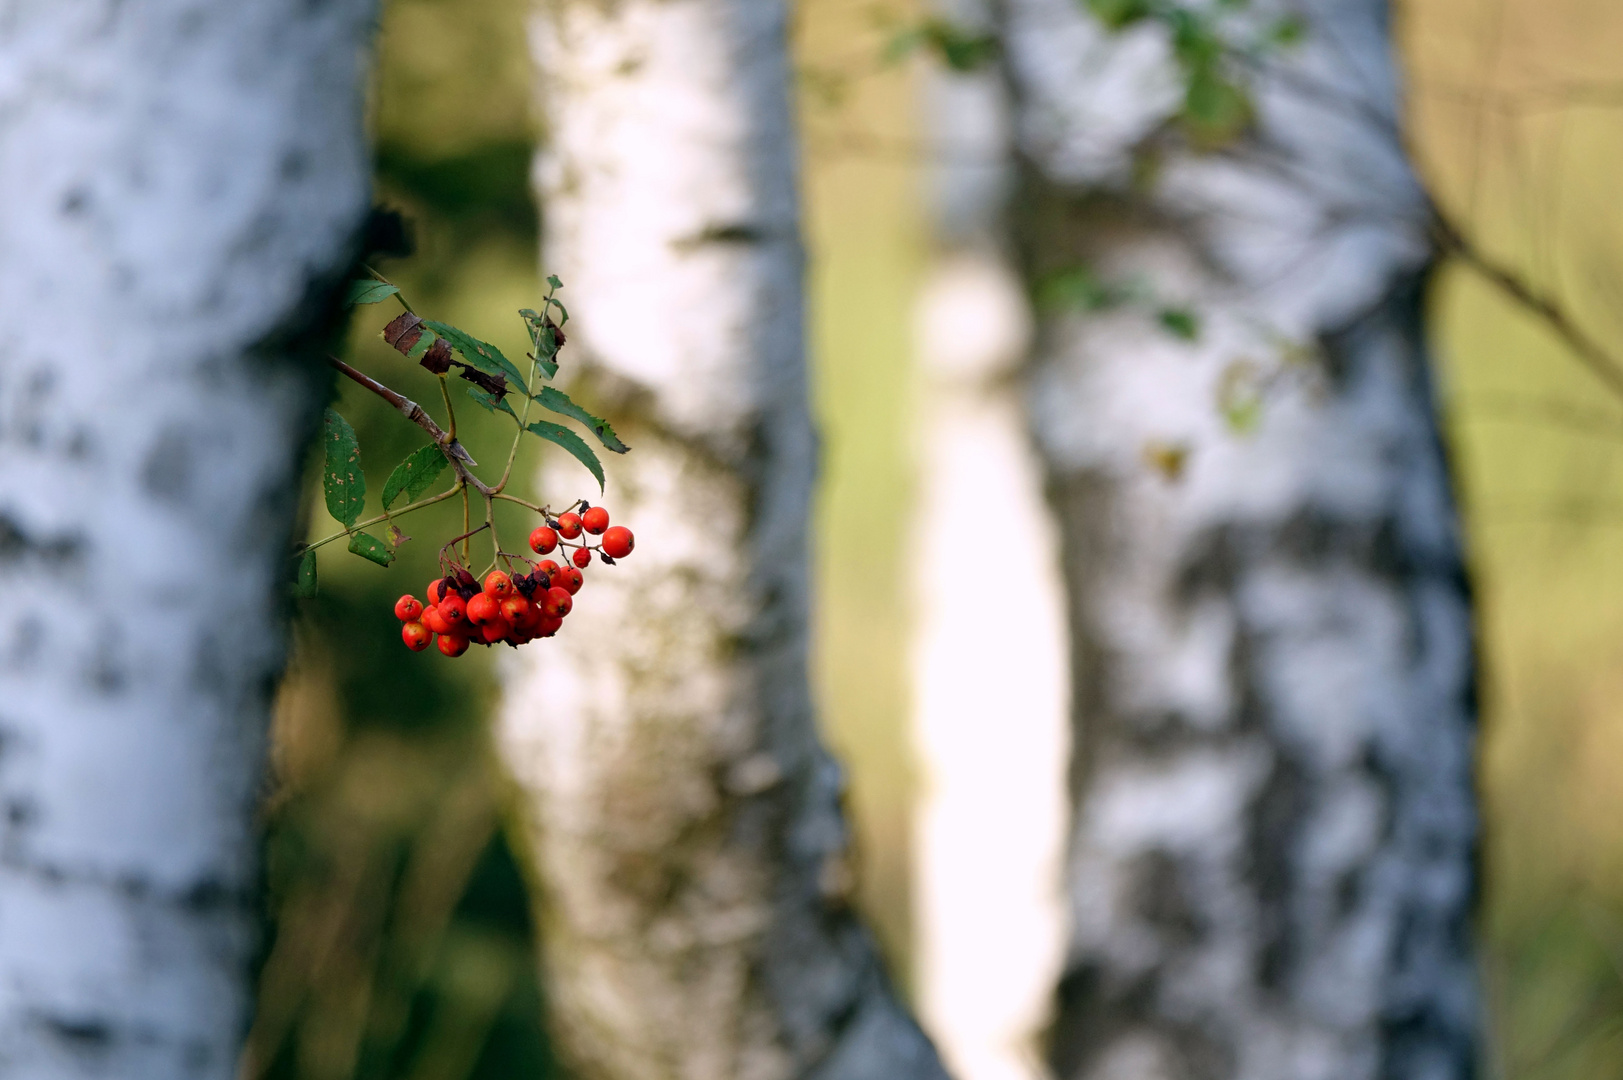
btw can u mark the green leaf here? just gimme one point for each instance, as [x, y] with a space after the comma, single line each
[367, 291]
[304, 586]
[563, 312]
[1118, 14]
[1179, 322]
[561, 403]
[371, 549]
[490, 402]
[342, 481]
[559, 435]
[481, 354]
[424, 343]
[1288, 30]
[552, 279]
[542, 340]
[1215, 110]
[1076, 287]
[414, 475]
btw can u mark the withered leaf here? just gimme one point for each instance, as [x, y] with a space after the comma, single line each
[404, 332]
[438, 357]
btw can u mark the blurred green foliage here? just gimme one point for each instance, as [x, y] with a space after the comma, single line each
[401, 943]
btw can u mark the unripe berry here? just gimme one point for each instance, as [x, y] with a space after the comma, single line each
[494, 630]
[543, 540]
[498, 585]
[453, 644]
[570, 579]
[557, 602]
[453, 609]
[618, 542]
[408, 608]
[569, 526]
[483, 609]
[595, 520]
[434, 619]
[416, 636]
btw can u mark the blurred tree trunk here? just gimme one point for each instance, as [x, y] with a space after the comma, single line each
[1271, 865]
[687, 821]
[179, 188]
[989, 704]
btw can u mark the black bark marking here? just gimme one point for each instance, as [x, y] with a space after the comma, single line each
[1162, 899]
[18, 545]
[80, 1035]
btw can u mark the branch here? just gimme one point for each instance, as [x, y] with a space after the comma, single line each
[459, 457]
[1591, 353]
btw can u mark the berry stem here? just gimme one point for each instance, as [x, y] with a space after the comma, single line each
[402, 512]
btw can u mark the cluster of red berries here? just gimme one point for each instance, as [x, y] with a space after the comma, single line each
[511, 608]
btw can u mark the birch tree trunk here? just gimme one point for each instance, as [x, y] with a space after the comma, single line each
[687, 821]
[180, 183]
[989, 678]
[1271, 863]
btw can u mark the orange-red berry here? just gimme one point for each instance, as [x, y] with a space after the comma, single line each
[453, 609]
[582, 557]
[543, 540]
[547, 567]
[484, 609]
[557, 602]
[595, 520]
[618, 542]
[435, 620]
[569, 526]
[408, 608]
[494, 630]
[498, 585]
[570, 579]
[416, 636]
[548, 625]
[436, 590]
[516, 610]
[453, 644]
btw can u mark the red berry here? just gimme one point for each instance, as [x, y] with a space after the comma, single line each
[453, 644]
[408, 608]
[570, 579]
[548, 625]
[543, 540]
[498, 585]
[557, 602]
[453, 609]
[434, 619]
[436, 590]
[595, 520]
[618, 542]
[483, 609]
[416, 636]
[568, 526]
[581, 558]
[547, 567]
[494, 630]
[516, 610]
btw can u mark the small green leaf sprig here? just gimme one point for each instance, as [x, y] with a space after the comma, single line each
[446, 350]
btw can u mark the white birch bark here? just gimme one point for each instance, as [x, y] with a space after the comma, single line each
[989, 678]
[687, 821]
[175, 177]
[1271, 860]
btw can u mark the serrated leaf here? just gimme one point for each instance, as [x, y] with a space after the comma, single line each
[304, 585]
[367, 291]
[414, 475]
[542, 340]
[342, 481]
[561, 403]
[481, 354]
[371, 549]
[490, 402]
[559, 435]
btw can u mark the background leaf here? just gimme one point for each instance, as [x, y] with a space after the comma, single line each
[304, 586]
[490, 402]
[481, 354]
[342, 481]
[561, 403]
[367, 291]
[559, 435]
[414, 475]
[371, 548]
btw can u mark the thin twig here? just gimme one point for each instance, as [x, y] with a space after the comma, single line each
[459, 457]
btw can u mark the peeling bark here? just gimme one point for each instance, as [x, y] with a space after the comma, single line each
[1271, 862]
[180, 184]
[697, 920]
